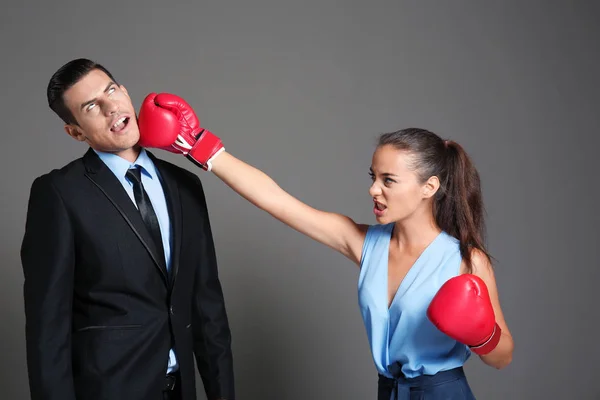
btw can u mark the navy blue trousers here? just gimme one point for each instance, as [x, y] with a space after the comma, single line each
[445, 385]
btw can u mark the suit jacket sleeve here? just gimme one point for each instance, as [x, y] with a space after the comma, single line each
[212, 337]
[47, 258]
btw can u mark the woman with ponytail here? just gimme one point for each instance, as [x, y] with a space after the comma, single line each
[426, 286]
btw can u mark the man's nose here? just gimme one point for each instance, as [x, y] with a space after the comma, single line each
[111, 107]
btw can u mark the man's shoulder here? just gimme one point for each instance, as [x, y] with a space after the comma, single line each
[59, 180]
[65, 174]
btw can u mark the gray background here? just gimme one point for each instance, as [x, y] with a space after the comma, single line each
[300, 90]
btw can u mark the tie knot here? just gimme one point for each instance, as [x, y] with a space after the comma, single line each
[134, 174]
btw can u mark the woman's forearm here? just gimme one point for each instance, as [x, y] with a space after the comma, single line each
[501, 356]
[249, 182]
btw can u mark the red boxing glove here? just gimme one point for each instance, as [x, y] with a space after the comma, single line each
[168, 122]
[462, 310]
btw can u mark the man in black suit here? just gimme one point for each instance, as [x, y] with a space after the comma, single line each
[121, 283]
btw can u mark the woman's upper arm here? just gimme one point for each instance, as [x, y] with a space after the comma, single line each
[334, 230]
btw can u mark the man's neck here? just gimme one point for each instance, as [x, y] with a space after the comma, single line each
[130, 154]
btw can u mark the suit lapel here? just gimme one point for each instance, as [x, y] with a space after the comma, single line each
[103, 178]
[171, 190]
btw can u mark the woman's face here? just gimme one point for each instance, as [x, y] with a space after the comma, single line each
[396, 189]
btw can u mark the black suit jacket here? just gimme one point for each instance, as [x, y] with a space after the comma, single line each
[101, 310]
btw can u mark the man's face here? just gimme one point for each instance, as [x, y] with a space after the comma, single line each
[105, 117]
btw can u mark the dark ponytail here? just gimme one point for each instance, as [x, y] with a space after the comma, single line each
[458, 204]
[459, 209]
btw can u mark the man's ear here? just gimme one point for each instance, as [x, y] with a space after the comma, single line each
[75, 132]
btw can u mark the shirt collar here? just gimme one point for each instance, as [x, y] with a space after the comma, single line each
[119, 165]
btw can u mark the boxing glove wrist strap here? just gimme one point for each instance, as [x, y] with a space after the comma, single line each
[489, 344]
[206, 148]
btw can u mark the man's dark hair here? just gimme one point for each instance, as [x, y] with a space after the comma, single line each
[66, 76]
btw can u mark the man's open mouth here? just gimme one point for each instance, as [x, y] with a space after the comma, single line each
[120, 124]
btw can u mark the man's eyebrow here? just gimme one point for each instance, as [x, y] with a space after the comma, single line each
[83, 105]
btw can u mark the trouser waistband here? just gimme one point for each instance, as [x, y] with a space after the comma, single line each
[401, 385]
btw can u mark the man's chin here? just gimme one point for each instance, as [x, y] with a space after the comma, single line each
[123, 146]
[130, 139]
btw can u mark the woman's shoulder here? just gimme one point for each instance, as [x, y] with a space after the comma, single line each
[376, 235]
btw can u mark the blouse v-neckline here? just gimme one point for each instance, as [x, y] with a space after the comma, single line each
[411, 271]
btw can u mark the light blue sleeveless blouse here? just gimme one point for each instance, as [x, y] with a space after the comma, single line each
[403, 333]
